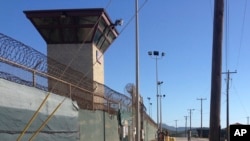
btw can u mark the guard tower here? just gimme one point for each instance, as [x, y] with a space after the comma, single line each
[78, 37]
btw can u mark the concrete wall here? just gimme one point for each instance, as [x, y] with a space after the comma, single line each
[84, 59]
[98, 67]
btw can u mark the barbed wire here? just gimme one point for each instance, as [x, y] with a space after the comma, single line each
[19, 53]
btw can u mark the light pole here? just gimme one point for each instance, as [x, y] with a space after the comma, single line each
[160, 95]
[156, 55]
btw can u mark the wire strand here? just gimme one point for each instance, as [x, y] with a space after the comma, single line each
[130, 20]
[132, 17]
[241, 36]
[227, 35]
[240, 101]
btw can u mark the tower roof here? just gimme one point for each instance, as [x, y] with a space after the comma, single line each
[71, 26]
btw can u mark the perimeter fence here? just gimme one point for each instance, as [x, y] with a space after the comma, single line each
[24, 65]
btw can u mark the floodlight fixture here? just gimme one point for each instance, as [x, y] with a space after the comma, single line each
[156, 53]
[160, 82]
[119, 22]
[149, 98]
[150, 53]
[163, 54]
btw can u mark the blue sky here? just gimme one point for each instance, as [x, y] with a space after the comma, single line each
[180, 28]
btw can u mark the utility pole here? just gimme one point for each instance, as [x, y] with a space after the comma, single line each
[201, 99]
[215, 102]
[185, 126]
[190, 128]
[228, 78]
[190, 114]
[176, 128]
[248, 120]
[137, 125]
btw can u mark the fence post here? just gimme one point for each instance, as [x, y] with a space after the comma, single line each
[70, 91]
[34, 78]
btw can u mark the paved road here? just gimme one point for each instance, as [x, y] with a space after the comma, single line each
[193, 139]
